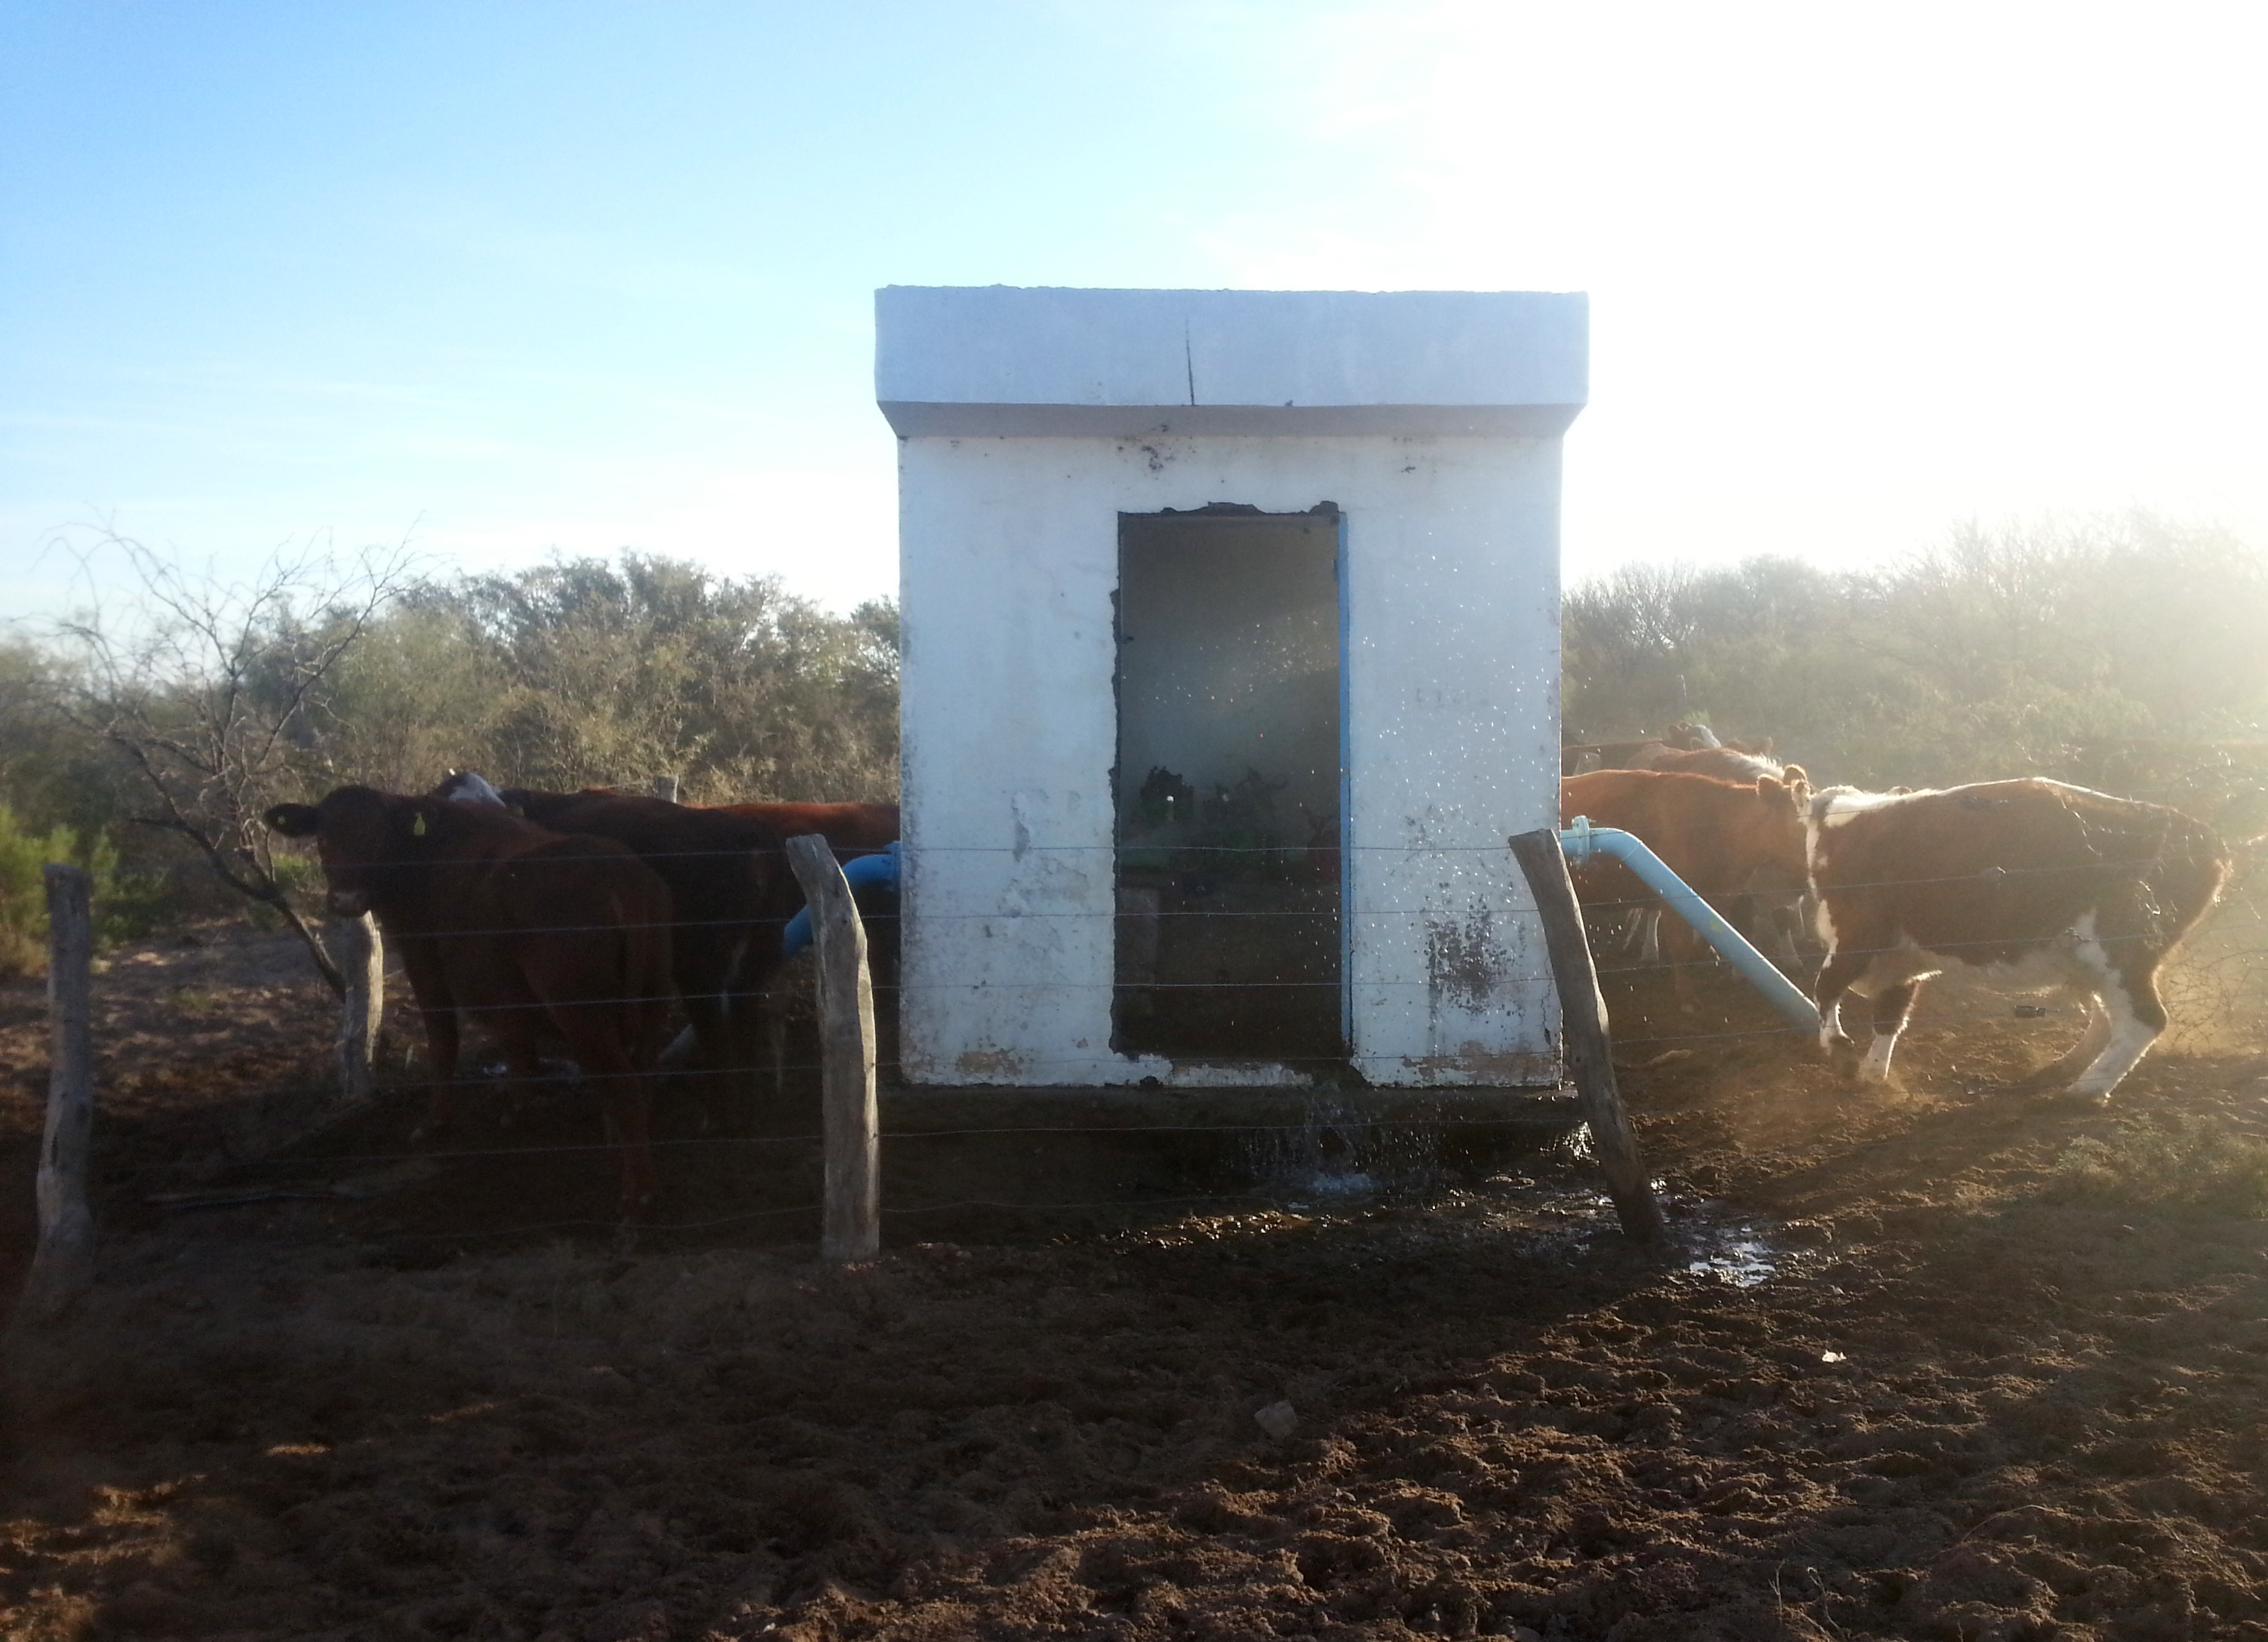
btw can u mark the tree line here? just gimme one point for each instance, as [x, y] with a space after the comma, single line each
[145, 737]
[2127, 653]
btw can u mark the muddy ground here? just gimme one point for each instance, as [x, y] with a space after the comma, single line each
[1943, 1363]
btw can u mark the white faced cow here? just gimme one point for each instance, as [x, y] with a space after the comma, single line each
[2048, 884]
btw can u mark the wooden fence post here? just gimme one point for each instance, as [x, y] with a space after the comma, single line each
[360, 953]
[851, 1228]
[64, 1264]
[1583, 1032]
[664, 787]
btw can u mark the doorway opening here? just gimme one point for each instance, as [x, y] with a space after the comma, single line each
[1230, 785]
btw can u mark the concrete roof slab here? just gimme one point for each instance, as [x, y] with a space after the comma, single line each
[1007, 360]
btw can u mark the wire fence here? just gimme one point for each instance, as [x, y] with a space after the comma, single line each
[2216, 993]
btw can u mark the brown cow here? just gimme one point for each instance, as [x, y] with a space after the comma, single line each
[1717, 836]
[1650, 752]
[851, 829]
[529, 929]
[729, 883]
[1775, 901]
[1728, 763]
[2047, 884]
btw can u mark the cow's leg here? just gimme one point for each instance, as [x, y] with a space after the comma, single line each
[1893, 1008]
[626, 1097]
[441, 1045]
[708, 1019]
[1646, 935]
[2058, 1074]
[2135, 1015]
[1835, 976]
[1784, 921]
[753, 1007]
[523, 1070]
[1681, 949]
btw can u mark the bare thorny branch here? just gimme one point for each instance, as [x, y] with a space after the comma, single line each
[201, 687]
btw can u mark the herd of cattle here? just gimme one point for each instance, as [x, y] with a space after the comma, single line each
[580, 916]
[587, 917]
[2046, 884]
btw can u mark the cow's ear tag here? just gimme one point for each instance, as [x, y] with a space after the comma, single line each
[417, 827]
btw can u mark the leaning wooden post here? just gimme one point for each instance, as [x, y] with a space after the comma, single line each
[851, 1228]
[64, 1264]
[360, 953]
[1583, 1032]
[665, 788]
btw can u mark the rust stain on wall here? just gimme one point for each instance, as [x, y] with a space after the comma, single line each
[990, 1063]
[1474, 1063]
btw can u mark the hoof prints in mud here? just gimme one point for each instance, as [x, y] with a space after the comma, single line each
[1484, 1416]
[1903, 1372]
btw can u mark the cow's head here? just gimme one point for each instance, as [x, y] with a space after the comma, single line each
[1786, 799]
[365, 838]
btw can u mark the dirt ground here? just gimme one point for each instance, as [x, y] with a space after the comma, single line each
[1921, 1364]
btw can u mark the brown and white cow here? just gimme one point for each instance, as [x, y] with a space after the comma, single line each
[2046, 884]
[534, 933]
[1719, 837]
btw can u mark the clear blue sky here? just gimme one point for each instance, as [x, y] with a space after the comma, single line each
[523, 277]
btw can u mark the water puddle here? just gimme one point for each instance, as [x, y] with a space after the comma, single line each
[1707, 1240]
[1739, 1254]
[1338, 1161]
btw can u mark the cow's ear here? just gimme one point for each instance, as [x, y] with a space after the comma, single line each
[293, 820]
[1778, 794]
[1764, 749]
[1795, 775]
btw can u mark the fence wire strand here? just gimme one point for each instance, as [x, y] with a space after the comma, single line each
[2237, 970]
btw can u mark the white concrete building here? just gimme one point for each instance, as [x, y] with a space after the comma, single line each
[1231, 659]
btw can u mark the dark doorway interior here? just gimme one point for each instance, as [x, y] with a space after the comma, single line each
[1228, 785]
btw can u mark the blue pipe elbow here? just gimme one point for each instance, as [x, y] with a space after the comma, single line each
[1580, 841]
[868, 872]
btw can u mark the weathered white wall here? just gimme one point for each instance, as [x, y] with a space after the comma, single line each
[1010, 556]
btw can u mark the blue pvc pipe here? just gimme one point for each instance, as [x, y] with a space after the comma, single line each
[867, 872]
[1580, 840]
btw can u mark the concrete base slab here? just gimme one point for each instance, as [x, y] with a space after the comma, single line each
[931, 1108]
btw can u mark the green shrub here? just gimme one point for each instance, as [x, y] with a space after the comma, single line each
[23, 854]
[2182, 1163]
